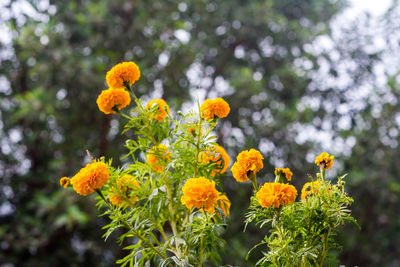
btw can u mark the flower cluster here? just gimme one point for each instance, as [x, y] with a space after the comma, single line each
[214, 108]
[217, 155]
[158, 157]
[324, 160]
[276, 195]
[93, 176]
[200, 193]
[115, 98]
[161, 112]
[247, 164]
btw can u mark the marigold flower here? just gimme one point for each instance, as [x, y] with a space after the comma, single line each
[214, 108]
[224, 204]
[284, 172]
[113, 98]
[123, 192]
[324, 160]
[276, 195]
[247, 164]
[312, 187]
[64, 182]
[200, 193]
[217, 155]
[121, 74]
[158, 157]
[93, 176]
[163, 109]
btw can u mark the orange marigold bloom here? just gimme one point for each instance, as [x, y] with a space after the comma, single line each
[214, 108]
[158, 157]
[311, 188]
[224, 204]
[200, 193]
[113, 98]
[284, 172]
[123, 192]
[64, 182]
[324, 160]
[217, 155]
[121, 74]
[247, 164]
[276, 195]
[92, 176]
[163, 109]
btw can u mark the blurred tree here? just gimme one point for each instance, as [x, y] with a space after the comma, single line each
[262, 56]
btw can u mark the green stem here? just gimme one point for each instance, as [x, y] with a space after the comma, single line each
[198, 144]
[253, 180]
[201, 252]
[322, 169]
[325, 249]
[172, 215]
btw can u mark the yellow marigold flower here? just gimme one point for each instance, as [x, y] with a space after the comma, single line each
[217, 155]
[247, 164]
[214, 108]
[224, 204]
[163, 109]
[117, 200]
[113, 98]
[123, 73]
[92, 176]
[158, 157]
[200, 193]
[324, 160]
[123, 192]
[64, 182]
[284, 172]
[276, 195]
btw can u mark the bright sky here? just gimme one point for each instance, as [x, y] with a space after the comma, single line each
[375, 7]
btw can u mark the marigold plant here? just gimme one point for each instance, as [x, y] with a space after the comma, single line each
[301, 233]
[167, 202]
[166, 217]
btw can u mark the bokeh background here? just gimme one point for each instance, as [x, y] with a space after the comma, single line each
[301, 77]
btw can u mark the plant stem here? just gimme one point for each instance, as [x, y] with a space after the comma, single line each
[201, 252]
[172, 215]
[325, 249]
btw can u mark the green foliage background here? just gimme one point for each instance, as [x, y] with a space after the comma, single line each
[261, 56]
